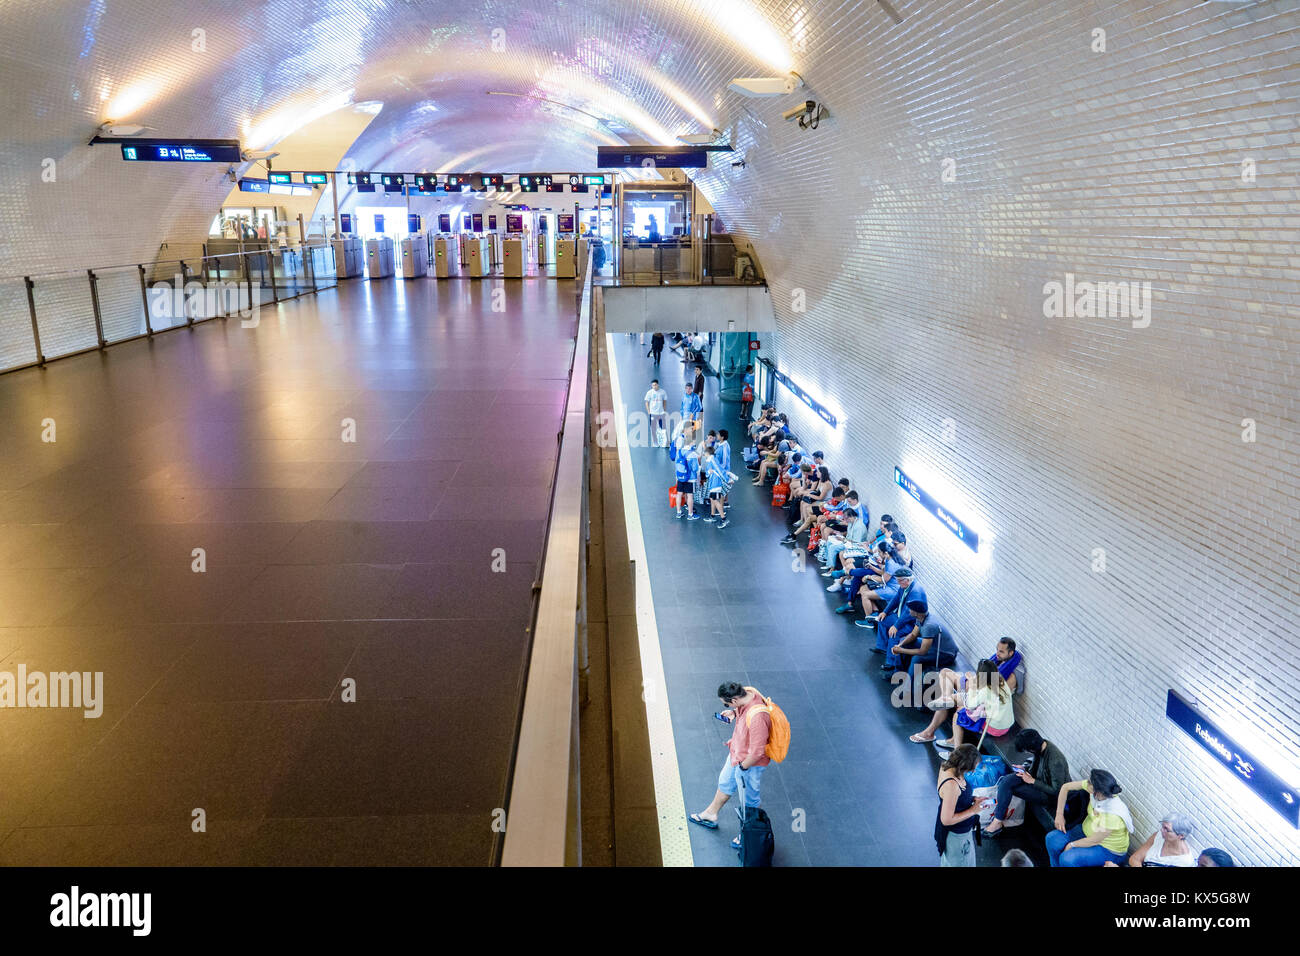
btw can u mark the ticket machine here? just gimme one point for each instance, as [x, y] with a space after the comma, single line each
[379, 257]
[413, 257]
[446, 256]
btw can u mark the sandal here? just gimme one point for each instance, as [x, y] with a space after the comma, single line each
[918, 739]
[700, 821]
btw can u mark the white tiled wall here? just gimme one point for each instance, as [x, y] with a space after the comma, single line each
[925, 304]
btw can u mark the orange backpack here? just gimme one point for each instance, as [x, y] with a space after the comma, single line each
[778, 739]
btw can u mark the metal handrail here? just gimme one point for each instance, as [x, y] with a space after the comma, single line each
[542, 818]
[199, 269]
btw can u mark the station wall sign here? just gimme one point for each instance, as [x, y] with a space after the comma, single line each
[662, 157]
[954, 524]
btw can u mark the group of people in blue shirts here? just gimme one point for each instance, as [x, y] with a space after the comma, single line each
[704, 463]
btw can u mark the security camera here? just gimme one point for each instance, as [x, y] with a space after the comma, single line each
[121, 129]
[806, 108]
[253, 155]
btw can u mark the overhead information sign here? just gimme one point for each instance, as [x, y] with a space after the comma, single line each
[181, 151]
[315, 179]
[666, 157]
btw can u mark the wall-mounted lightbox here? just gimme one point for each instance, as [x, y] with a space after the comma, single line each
[931, 504]
[822, 411]
[1267, 785]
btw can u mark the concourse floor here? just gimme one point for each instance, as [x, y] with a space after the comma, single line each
[854, 790]
[334, 563]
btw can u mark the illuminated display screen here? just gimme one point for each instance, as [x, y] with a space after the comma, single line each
[492, 222]
[254, 186]
[564, 222]
[478, 222]
[514, 222]
[280, 179]
[444, 222]
[466, 223]
[578, 189]
[666, 157]
[555, 187]
[393, 182]
[315, 179]
[593, 180]
[426, 183]
[186, 151]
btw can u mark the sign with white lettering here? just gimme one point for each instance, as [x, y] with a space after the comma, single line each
[1267, 785]
[954, 524]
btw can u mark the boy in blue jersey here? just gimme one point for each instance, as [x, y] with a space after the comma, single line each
[692, 410]
[716, 485]
[687, 471]
[724, 460]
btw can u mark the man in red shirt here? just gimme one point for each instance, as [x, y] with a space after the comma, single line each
[743, 769]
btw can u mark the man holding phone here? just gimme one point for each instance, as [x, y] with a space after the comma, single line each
[743, 769]
[1050, 772]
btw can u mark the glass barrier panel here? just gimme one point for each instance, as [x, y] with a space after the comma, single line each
[16, 345]
[165, 293]
[65, 314]
[121, 306]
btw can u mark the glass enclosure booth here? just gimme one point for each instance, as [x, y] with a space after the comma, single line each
[655, 223]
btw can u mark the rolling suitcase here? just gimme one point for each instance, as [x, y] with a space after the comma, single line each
[756, 842]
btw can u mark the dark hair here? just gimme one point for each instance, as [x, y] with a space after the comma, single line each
[1217, 857]
[845, 482]
[850, 512]
[853, 495]
[1011, 645]
[1016, 858]
[964, 759]
[1104, 784]
[781, 459]
[883, 547]
[900, 538]
[713, 433]
[689, 385]
[823, 473]
[886, 518]
[730, 690]
[891, 527]
[654, 381]
[723, 434]
[1029, 741]
[749, 368]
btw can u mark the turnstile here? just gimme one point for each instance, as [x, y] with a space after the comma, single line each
[379, 258]
[477, 257]
[566, 257]
[413, 258]
[349, 260]
[583, 244]
[542, 259]
[512, 256]
[446, 256]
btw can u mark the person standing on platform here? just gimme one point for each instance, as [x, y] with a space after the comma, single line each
[742, 770]
[747, 394]
[699, 383]
[959, 811]
[656, 408]
[688, 470]
[692, 410]
[656, 346]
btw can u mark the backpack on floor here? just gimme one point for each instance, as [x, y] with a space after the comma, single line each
[756, 843]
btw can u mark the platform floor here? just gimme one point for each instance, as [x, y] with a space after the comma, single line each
[730, 606]
[326, 561]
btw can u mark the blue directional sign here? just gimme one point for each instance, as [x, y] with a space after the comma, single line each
[660, 157]
[950, 521]
[816, 406]
[181, 151]
[1267, 785]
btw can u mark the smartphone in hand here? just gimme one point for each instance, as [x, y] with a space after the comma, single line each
[725, 720]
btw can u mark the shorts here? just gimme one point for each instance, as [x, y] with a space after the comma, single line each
[731, 779]
[685, 487]
[716, 494]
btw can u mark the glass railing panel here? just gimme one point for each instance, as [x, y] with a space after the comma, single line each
[17, 348]
[121, 306]
[65, 314]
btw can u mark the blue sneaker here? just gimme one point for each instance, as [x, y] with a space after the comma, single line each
[865, 622]
[692, 517]
[844, 609]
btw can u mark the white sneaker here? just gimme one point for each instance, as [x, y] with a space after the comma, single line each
[835, 586]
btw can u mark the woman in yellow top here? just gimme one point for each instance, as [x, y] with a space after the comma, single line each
[1103, 837]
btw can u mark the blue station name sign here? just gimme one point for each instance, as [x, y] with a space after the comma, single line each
[931, 504]
[1267, 785]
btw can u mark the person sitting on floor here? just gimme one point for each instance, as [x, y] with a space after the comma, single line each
[1039, 783]
[1010, 664]
[1103, 837]
[988, 708]
[1168, 846]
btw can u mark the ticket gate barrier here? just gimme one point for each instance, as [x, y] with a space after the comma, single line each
[512, 257]
[379, 258]
[566, 257]
[413, 258]
[349, 257]
[446, 257]
[583, 244]
[542, 259]
[477, 258]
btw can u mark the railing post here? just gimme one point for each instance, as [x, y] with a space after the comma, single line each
[31, 308]
[185, 278]
[144, 301]
[270, 268]
[94, 304]
[248, 278]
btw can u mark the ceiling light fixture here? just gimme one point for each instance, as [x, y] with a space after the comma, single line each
[764, 86]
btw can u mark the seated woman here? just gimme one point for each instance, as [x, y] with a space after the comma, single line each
[1215, 857]
[1167, 846]
[989, 705]
[774, 461]
[1103, 836]
[814, 489]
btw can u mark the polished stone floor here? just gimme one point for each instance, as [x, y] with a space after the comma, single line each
[327, 564]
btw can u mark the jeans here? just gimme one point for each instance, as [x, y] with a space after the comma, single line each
[883, 641]
[732, 778]
[1080, 856]
[1012, 786]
